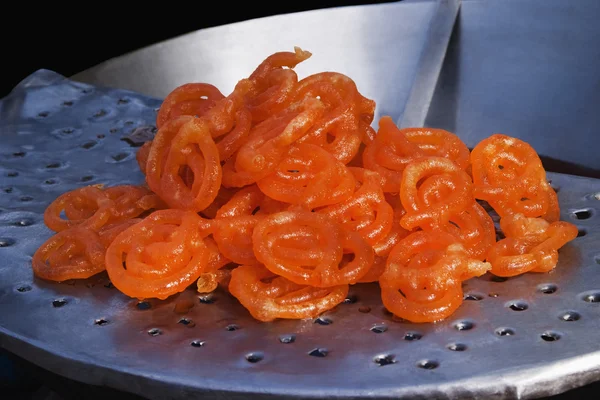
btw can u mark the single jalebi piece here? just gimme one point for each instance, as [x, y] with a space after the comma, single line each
[423, 276]
[475, 229]
[509, 175]
[308, 248]
[88, 206]
[269, 142]
[531, 245]
[433, 189]
[193, 99]
[393, 149]
[74, 253]
[274, 85]
[184, 142]
[345, 125]
[227, 124]
[94, 206]
[159, 256]
[77, 252]
[309, 177]
[268, 297]
[366, 212]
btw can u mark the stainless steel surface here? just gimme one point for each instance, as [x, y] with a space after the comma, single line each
[430, 64]
[377, 45]
[528, 68]
[56, 134]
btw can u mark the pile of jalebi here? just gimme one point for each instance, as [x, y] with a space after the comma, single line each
[283, 194]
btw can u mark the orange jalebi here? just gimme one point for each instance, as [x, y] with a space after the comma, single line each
[283, 194]
[308, 248]
[346, 123]
[193, 99]
[235, 222]
[274, 86]
[268, 296]
[77, 252]
[142, 156]
[185, 142]
[392, 149]
[383, 247]
[475, 229]
[310, 177]
[268, 146]
[423, 277]
[531, 245]
[432, 189]
[70, 254]
[366, 212]
[160, 256]
[508, 174]
[94, 206]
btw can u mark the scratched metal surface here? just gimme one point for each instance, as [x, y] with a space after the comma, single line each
[57, 135]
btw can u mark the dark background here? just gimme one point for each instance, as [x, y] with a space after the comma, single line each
[69, 40]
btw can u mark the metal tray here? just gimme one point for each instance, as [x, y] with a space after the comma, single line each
[524, 337]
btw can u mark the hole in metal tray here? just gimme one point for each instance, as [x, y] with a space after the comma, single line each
[550, 336]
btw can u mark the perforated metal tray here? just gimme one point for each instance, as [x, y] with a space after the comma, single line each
[524, 337]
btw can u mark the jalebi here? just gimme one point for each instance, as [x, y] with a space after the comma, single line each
[508, 174]
[283, 194]
[268, 296]
[423, 278]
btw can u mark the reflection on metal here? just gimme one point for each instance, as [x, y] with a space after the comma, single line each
[527, 68]
[64, 135]
[376, 45]
[430, 64]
